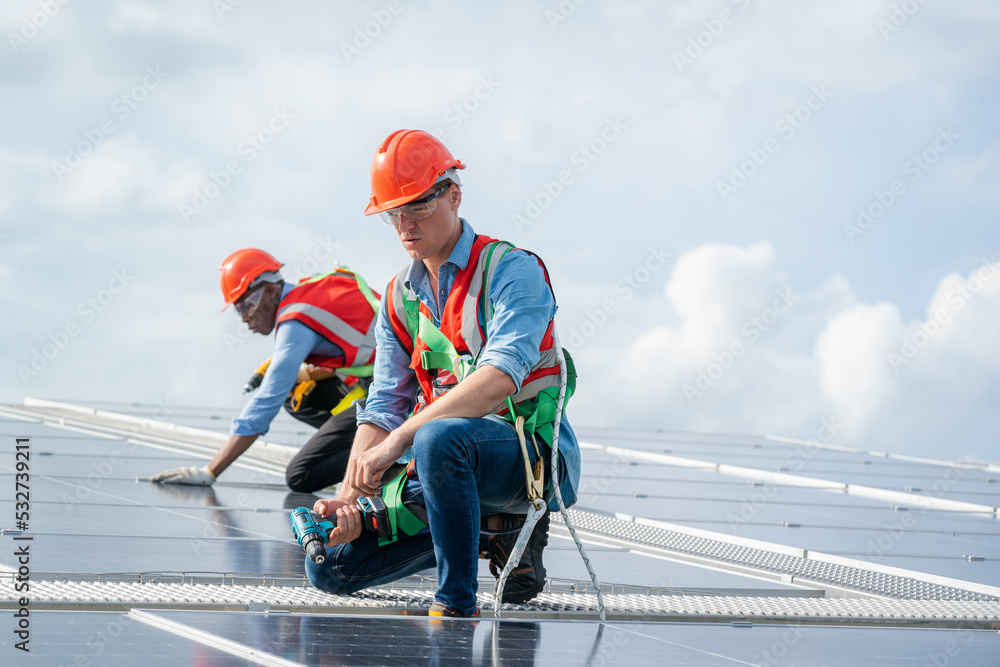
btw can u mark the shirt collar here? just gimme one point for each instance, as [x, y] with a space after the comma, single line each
[459, 256]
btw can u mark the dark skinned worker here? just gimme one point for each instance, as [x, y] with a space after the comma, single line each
[326, 322]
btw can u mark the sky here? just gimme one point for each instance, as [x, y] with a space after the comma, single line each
[759, 217]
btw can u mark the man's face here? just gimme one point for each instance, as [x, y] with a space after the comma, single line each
[258, 308]
[432, 238]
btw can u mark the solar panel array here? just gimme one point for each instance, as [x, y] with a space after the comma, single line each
[711, 549]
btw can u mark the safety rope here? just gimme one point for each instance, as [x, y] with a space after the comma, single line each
[538, 506]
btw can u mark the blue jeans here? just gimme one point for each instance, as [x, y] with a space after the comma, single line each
[467, 469]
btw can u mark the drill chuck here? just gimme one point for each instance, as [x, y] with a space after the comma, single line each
[253, 382]
[312, 530]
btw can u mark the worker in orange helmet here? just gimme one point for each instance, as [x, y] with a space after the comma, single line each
[320, 368]
[466, 381]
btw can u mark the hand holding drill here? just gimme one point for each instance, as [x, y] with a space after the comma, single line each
[312, 531]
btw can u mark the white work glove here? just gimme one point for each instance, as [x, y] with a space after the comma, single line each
[191, 475]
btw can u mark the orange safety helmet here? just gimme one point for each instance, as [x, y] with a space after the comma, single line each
[240, 269]
[406, 164]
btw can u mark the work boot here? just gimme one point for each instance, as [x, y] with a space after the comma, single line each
[441, 610]
[527, 579]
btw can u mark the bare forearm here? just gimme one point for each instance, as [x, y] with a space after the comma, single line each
[476, 396]
[372, 454]
[235, 445]
[368, 436]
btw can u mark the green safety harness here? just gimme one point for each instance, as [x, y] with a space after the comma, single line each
[534, 417]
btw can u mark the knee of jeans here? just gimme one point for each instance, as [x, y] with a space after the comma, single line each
[321, 576]
[434, 440]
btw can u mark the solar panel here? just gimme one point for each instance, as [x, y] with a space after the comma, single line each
[711, 534]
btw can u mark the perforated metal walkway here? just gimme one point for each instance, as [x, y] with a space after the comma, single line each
[865, 593]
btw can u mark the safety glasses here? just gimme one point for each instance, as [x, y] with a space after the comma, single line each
[248, 303]
[415, 210]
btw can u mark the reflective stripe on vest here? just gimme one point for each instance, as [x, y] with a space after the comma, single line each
[336, 307]
[461, 325]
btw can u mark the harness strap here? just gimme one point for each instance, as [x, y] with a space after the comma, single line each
[363, 287]
[540, 412]
[358, 371]
[401, 519]
[534, 477]
[484, 295]
[348, 400]
[411, 306]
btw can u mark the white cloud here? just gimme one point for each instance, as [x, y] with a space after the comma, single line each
[688, 375]
[124, 174]
[854, 376]
[655, 186]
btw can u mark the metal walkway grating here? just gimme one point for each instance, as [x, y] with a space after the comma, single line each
[106, 595]
[861, 579]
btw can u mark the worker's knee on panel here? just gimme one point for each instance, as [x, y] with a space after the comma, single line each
[326, 576]
[298, 480]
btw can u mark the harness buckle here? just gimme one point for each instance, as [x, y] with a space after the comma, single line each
[533, 478]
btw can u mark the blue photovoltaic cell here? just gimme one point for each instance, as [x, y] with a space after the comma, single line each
[354, 640]
[99, 639]
[93, 512]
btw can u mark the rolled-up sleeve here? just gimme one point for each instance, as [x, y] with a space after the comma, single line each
[393, 392]
[523, 306]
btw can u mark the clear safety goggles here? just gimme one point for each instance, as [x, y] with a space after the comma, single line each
[248, 303]
[415, 210]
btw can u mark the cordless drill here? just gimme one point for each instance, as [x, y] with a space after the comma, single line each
[312, 530]
[257, 377]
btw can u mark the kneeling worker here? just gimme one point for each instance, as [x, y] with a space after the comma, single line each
[326, 321]
[467, 367]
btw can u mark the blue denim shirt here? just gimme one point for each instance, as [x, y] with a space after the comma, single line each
[293, 342]
[522, 305]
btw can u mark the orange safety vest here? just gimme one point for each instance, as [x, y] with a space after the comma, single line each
[463, 323]
[340, 307]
